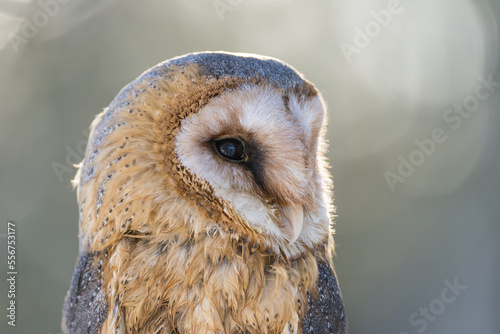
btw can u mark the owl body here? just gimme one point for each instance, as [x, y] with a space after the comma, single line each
[205, 205]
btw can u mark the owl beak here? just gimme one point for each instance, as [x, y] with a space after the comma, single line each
[292, 219]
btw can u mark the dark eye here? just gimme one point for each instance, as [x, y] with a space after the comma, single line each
[230, 148]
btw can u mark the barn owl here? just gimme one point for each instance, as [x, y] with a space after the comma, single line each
[205, 205]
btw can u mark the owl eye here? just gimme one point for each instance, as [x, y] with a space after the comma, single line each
[230, 148]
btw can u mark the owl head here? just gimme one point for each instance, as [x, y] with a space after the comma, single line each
[210, 144]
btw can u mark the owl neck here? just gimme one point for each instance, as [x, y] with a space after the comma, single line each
[209, 283]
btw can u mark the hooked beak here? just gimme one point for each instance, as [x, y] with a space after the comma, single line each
[292, 219]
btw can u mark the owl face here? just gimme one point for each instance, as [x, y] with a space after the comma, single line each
[258, 149]
[234, 140]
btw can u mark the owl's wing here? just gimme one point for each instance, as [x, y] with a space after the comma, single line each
[326, 314]
[85, 305]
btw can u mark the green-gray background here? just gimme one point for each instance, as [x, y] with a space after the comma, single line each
[395, 247]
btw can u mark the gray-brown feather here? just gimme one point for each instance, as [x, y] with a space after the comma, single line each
[85, 305]
[325, 314]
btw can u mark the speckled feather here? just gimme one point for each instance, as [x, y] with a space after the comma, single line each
[161, 251]
[86, 304]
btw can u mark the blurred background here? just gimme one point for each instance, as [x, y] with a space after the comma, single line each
[413, 90]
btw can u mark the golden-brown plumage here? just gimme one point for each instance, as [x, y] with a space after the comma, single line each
[167, 252]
